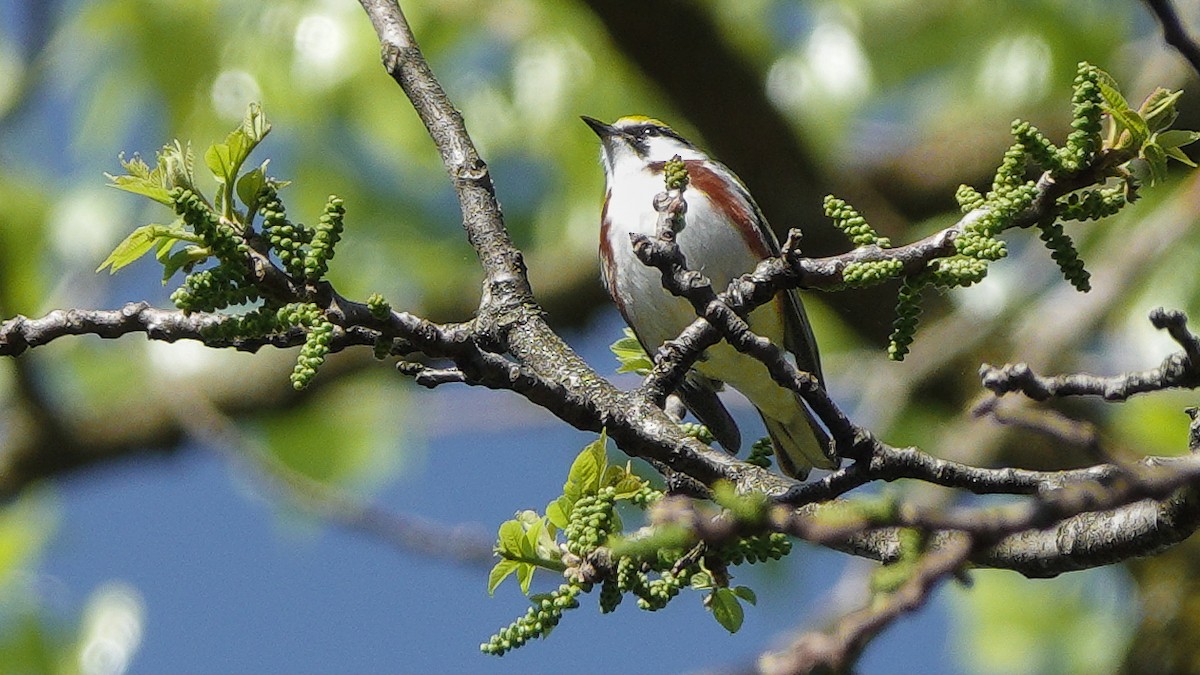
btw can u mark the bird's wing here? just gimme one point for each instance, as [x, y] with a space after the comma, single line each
[798, 335]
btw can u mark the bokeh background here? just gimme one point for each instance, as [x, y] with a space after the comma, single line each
[173, 509]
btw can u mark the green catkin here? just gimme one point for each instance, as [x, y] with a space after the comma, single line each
[379, 307]
[859, 274]
[1011, 172]
[968, 198]
[223, 285]
[1086, 102]
[658, 592]
[675, 174]
[698, 432]
[225, 244]
[544, 614]
[213, 289]
[1043, 153]
[1093, 204]
[590, 521]
[852, 224]
[959, 271]
[908, 312]
[610, 595]
[328, 233]
[287, 239]
[761, 453]
[1063, 251]
[312, 354]
[256, 323]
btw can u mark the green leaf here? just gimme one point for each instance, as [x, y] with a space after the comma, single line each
[629, 486]
[745, 593]
[525, 576]
[1132, 122]
[182, 259]
[173, 169]
[162, 249]
[139, 185]
[701, 581]
[141, 241]
[1177, 154]
[255, 125]
[175, 166]
[250, 185]
[632, 357]
[222, 160]
[622, 478]
[1159, 108]
[587, 469]
[558, 512]
[136, 167]
[529, 547]
[1156, 161]
[226, 159]
[510, 536]
[1176, 138]
[1110, 91]
[499, 573]
[133, 247]
[726, 609]
[1124, 116]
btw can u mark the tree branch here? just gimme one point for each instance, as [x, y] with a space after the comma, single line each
[21, 333]
[1178, 370]
[1174, 33]
[410, 534]
[838, 648]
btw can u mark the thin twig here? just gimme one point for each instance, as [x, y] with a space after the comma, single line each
[1178, 370]
[467, 545]
[1174, 33]
[838, 648]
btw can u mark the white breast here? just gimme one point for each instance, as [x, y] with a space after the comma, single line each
[718, 252]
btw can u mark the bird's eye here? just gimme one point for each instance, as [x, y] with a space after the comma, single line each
[647, 132]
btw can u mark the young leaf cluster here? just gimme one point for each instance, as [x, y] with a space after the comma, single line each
[219, 235]
[653, 567]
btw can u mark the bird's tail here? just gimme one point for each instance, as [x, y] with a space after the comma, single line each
[801, 444]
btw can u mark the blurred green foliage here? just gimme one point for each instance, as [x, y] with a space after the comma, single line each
[1074, 624]
[31, 640]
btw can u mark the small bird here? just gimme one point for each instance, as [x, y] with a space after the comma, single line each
[724, 236]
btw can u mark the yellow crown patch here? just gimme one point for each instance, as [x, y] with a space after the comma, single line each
[631, 120]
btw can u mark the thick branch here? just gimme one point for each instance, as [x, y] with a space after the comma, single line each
[1088, 525]
[507, 284]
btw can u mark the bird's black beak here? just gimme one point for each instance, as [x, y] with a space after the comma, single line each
[604, 131]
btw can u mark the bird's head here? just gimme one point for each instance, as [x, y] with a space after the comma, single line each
[635, 141]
